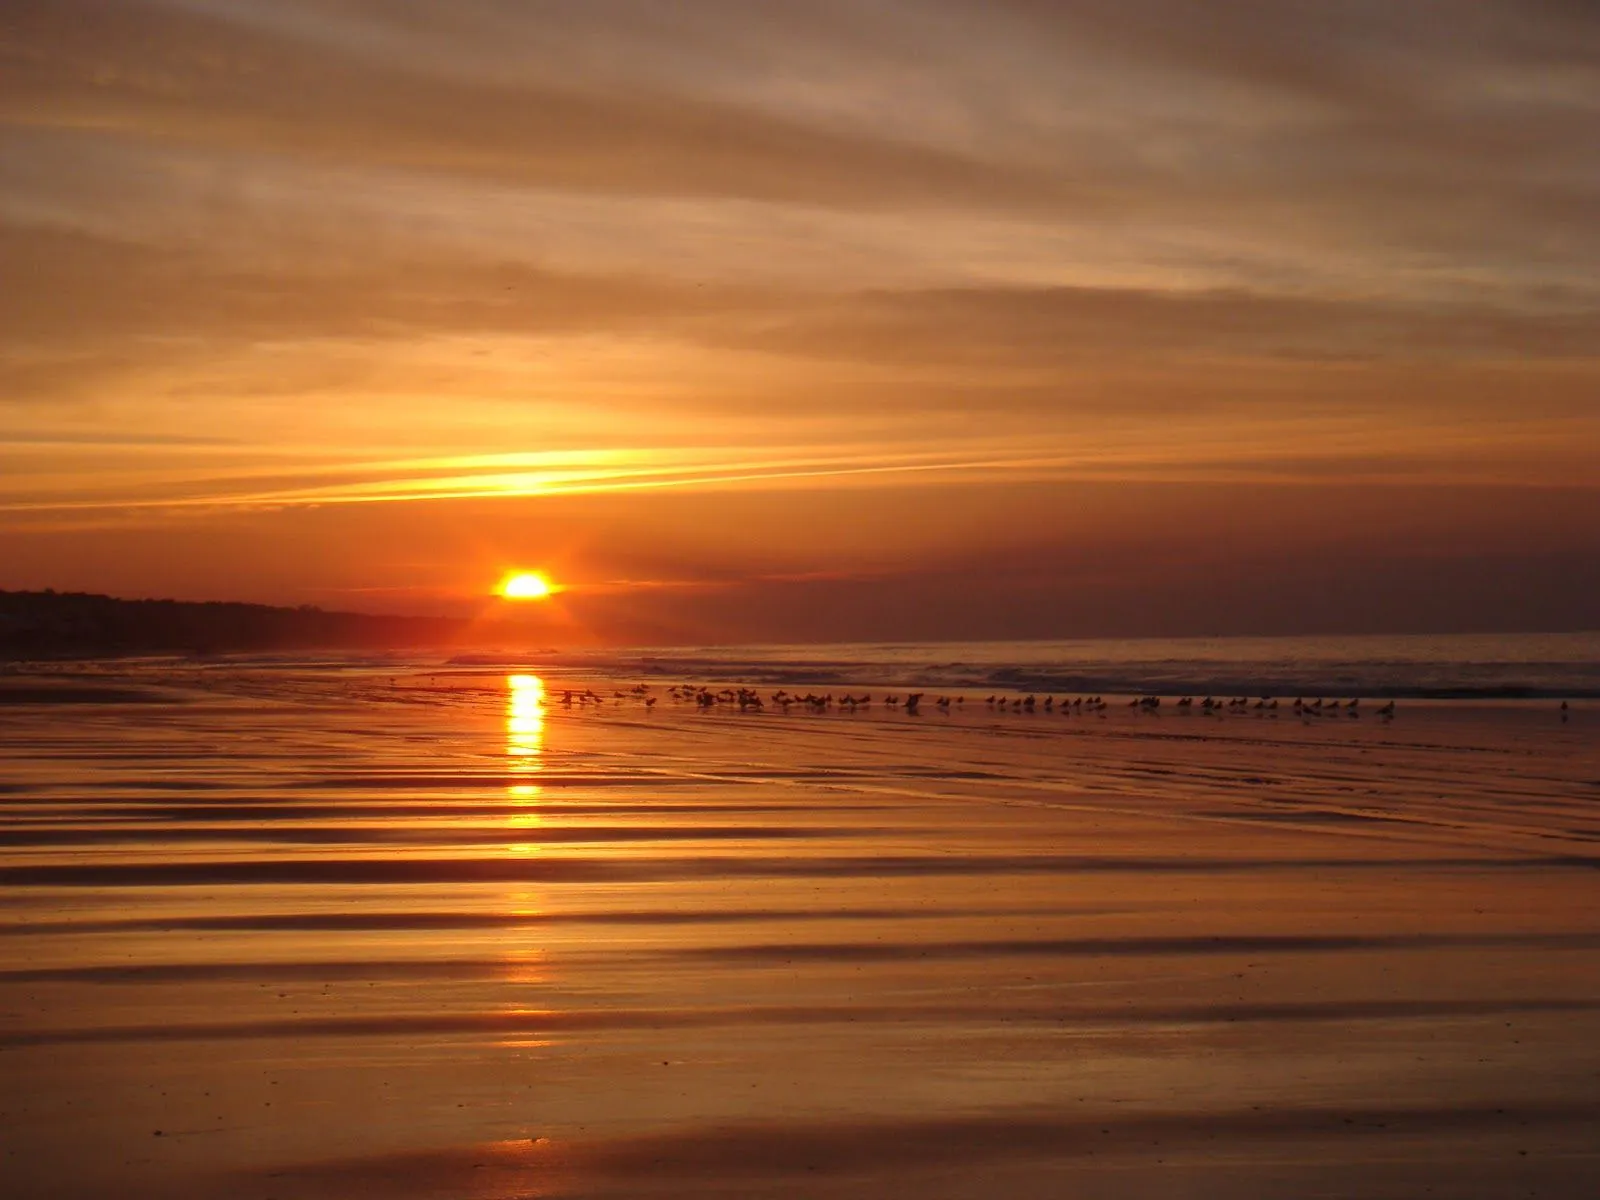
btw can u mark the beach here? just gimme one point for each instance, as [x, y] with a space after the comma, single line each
[612, 600]
[429, 930]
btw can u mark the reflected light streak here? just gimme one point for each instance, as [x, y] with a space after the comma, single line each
[524, 739]
[524, 753]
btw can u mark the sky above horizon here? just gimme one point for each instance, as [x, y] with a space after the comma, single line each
[852, 319]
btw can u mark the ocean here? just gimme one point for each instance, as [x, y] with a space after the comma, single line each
[1485, 666]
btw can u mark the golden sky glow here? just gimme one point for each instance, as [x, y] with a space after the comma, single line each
[751, 320]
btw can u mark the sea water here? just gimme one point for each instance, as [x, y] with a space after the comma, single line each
[1558, 665]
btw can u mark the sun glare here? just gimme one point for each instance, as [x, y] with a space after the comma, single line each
[525, 585]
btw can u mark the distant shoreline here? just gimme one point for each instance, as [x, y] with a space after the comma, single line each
[41, 628]
[74, 626]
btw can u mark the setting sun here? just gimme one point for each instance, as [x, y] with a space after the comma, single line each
[525, 585]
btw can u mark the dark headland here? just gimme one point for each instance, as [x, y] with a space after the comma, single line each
[50, 624]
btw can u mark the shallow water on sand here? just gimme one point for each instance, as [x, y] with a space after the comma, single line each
[1410, 666]
[323, 932]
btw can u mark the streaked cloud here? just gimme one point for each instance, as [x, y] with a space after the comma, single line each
[277, 255]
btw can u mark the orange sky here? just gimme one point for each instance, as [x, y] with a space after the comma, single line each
[837, 320]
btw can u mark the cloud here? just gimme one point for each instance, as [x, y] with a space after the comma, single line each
[101, 292]
[496, 366]
[1452, 140]
[270, 255]
[193, 78]
[1037, 326]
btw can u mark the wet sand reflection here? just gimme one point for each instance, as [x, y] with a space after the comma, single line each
[458, 942]
[525, 734]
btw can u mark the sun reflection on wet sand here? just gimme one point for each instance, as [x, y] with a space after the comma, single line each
[524, 748]
[524, 728]
[524, 964]
[524, 752]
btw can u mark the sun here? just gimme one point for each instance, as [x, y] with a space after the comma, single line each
[526, 585]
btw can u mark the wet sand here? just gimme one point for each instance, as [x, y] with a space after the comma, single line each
[326, 934]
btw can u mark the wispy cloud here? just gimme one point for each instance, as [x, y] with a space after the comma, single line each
[1344, 451]
[276, 256]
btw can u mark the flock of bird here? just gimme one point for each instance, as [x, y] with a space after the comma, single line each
[749, 700]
